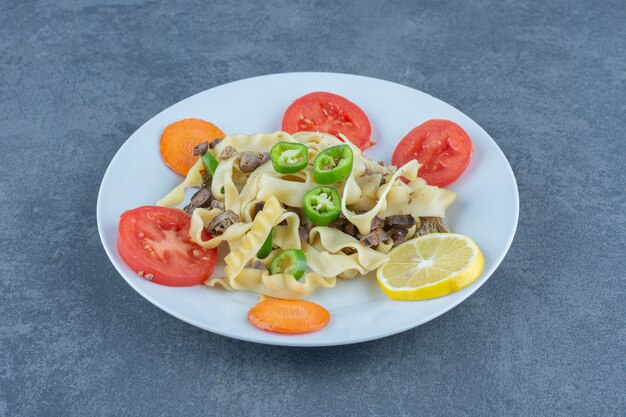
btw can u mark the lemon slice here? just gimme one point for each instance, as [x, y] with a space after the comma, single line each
[430, 266]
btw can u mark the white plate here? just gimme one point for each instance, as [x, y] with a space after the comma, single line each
[486, 209]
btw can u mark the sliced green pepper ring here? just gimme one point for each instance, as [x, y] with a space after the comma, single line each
[210, 163]
[289, 157]
[290, 261]
[322, 205]
[333, 165]
[266, 249]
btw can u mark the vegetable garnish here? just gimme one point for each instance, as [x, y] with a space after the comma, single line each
[288, 316]
[430, 266]
[291, 262]
[333, 165]
[179, 139]
[322, 205]
[442, 147]
[266, 249]
[210, 163]
[288, 157]
[154, 242]
[329, 113]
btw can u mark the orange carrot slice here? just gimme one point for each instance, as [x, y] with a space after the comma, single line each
[179, 139]
[288, 316]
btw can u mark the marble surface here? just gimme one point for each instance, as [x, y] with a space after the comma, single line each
[544, 336]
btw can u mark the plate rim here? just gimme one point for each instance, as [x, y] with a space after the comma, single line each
[288, 341]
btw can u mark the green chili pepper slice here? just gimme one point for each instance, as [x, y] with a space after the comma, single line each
[290, 261]
[322, 205]
[210, 163]
[333, 165]
[289, 157]
[266, 249]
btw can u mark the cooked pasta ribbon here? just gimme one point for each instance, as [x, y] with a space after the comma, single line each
[252, 241]
[177, 195]
[201, 218]
[363, 221]
[334, 241]
[279, 285]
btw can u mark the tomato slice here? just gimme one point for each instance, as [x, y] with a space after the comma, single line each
[441, 146]
[154, 242]
[328, 113]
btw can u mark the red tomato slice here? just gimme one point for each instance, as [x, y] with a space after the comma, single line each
[441, 146]
[328, 113]
[155, 241]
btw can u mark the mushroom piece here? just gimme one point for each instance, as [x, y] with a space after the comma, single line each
[349, 250]
[398, 235]
[401, 220]
[350, 229]
[227, 152]
[303, 234]
[201, 149]
[200, 199]
[249, 161]
[206, 179]
[374, 238]
[222, 222]
[217, 204]
[339, 223]
[258, 206]
[258, 265]
[215, 142]
[305, 225]
[377, 223]
[431, 225]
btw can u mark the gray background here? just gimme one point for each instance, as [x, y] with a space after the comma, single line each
[544, 336]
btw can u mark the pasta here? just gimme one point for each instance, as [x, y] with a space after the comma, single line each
[177, 195]
[279, 286]
[251, 204]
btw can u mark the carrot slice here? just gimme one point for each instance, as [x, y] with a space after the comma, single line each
[288, 316]
[179, 139]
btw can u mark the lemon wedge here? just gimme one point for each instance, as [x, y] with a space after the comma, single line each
[430, 266]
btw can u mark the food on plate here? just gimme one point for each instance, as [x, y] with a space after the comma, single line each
[340, 230]
[155, 243]
[333, 165]
[303, 207]
[179, 140]
[290, 262]
[442, 148]
[329, 113]
[266, 248]
[429, 266]
[288, 316]
[289, 158]
[322, 205]
[208, 160]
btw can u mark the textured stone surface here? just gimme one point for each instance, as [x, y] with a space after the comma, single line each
[545, 336]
